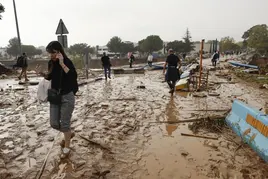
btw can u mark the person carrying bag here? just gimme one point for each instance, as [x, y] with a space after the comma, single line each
[61, 95]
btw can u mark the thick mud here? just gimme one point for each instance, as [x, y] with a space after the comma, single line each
[120, 132]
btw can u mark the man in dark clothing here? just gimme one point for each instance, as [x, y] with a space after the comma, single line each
[131, 60]
[172, 62]
[24, 67]
[215, 58]
[106, 65]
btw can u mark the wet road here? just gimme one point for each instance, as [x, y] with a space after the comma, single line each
[118, 134]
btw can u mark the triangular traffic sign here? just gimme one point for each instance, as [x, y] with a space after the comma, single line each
[61, 28]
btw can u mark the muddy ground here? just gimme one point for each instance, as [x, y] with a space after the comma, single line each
[120, 132]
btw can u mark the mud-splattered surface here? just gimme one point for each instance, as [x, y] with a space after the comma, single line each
[120, 134]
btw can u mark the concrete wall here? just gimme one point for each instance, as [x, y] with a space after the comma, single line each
[92, 63]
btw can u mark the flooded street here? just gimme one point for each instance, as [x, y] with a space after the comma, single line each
[126, 132]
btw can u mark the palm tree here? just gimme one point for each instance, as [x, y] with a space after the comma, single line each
[2, 9]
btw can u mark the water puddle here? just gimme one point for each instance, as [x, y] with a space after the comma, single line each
[171, 115]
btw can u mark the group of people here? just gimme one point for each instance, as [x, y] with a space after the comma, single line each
[172, 65]
[63, 78]
[106, 63]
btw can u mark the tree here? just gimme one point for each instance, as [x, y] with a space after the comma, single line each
[30, 50]
[115, 44]
[189, 45]
[77, 49]
[2, 9]
[127, 47]
[13, 47]
[151, 44]
[91, 50]
[141, 45]
[177, 46]
[257, 37]
[228, 44]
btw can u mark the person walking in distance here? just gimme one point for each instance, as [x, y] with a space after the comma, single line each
[23, 63]
[63, 77]
[131, 60]
[172, 64]
[106, 64]
[215, 58]
[150, 60]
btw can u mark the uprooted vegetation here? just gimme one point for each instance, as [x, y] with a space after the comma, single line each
[259, 79]
[209, 125]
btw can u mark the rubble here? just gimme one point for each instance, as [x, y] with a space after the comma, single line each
[4, 70]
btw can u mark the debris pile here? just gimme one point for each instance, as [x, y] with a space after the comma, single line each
[4, 70]
[210, 125]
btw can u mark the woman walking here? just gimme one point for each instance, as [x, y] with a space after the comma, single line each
[63, 77]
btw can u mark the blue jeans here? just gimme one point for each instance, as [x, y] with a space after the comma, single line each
[107, 68]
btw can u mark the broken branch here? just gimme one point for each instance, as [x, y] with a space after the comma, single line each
[96, 144]
[199, 136]
[192, 120]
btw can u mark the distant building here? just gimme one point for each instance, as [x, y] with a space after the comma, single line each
[104, 49]
[207, 47]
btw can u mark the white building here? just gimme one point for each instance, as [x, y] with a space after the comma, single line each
[103, 49]
[197, 47]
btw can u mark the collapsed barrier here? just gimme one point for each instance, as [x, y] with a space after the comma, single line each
[251, 125]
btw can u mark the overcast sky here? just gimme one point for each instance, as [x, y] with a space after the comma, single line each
[96, 21]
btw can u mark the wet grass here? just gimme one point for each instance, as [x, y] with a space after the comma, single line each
[209, 125]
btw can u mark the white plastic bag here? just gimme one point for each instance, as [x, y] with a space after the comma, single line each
[44, 85]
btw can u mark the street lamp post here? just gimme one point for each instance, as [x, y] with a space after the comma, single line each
[17, 25]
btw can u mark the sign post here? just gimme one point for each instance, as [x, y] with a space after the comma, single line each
[61, 30]
[86, 60]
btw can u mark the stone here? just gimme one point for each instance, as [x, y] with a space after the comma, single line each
[79, 128]
[30, 125]
[184, 153]
[50, 139]
[38, 133]
[104, 105]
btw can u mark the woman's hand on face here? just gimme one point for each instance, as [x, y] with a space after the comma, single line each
[60, 57]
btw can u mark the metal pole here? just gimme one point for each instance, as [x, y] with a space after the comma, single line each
[201, 61]
[216, 48]
[87, 56]
[17, 25]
